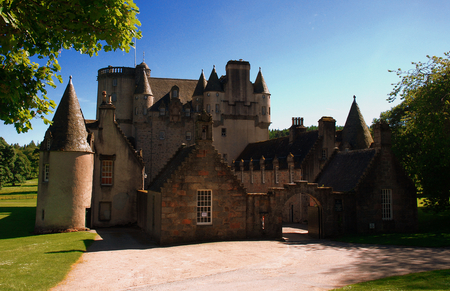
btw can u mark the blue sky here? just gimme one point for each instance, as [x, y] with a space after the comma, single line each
[314, 55]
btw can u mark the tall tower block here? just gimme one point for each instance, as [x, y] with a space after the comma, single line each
[66, 169]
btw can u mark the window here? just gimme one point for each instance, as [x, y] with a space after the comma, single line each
[162, 135]
[114, 82]
[277, 175]
[291, 173]
[208, 108]
[145, 110]
[386, 204]
[136, 110]
[175, 93]
[46, 172]
[107, 172]
[217, 108]
[188, 135]
[162, 111]
[263, 110]
[224, 132]
[114, 96]
[324, 154]
[204, 207]
[188, 112]
[49, 144]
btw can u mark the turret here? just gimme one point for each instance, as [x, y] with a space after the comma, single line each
[212, 95]
[65, 169]
[143, 96]
[197, 96]
[356, 134]
[262, 95]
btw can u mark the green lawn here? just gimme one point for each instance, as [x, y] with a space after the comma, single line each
[434, 231]
[27, 190]
[27, 261]
[434, 280]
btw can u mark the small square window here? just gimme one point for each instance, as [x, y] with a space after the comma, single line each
[46, 172]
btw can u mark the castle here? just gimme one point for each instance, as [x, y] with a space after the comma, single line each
[190, 160]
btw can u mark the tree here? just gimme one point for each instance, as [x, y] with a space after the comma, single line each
[421, 127]
[42, 29]
[7, 156]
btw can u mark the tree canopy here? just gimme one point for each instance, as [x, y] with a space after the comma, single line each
[41, 29]
[421, 127]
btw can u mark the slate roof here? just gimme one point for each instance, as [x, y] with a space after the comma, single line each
[281, 148]
[172, 165]
[260, 85]
[214, 83]
[142, 87]
[201, 85]
[356, 134]
[68, 131]
[345, 169]
[162, 86]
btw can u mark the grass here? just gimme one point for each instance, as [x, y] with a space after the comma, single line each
[433, 231]
[434, 280]
[27, 190]
[33, 262]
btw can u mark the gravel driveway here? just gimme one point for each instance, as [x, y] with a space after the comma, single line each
[122, 259]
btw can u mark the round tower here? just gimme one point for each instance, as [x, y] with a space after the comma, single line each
[262, 95]
[143, 96]
[66, 163]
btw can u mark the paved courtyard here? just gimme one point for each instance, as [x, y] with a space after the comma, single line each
[122, 259]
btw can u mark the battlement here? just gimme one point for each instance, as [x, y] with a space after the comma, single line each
[105, 72]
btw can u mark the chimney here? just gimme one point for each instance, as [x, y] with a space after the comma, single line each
[382, 135]
[296, 128]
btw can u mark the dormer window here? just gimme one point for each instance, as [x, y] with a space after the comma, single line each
[188, 112]
[175, 92]
[162, 111]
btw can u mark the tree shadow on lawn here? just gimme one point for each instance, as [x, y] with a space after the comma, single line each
[371, 262]
[19, 223]
[19, 193]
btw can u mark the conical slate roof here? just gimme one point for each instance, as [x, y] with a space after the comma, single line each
[260, 85]
[213, 82]
[201, 85]
[68, 130]
[355, 134]
[142, 86]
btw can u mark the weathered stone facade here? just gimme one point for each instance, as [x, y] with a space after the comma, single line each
[189, 132]
[157, 114]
